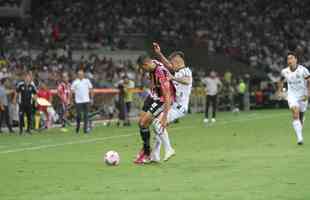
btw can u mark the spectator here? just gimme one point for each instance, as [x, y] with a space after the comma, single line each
[241, 92]
[128, 97]
[83, 95]
[26, 90]
[64, 93]
[4, 109]
[46, 94]
[213, 86]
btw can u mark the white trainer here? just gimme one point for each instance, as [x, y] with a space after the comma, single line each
[169, 154]
[213, 120]
[155, 158]
[205, 120]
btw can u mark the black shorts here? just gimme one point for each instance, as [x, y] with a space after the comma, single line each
[155, 107]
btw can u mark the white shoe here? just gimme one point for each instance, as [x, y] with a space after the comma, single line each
[213, 120]
[169, 154]
[205, 120]
[155, 158]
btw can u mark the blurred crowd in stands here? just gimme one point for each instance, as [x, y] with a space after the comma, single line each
[10, 3]
[256, 32]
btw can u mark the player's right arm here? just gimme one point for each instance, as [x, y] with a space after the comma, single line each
[165, 86]
[280, 86]
[162, 58]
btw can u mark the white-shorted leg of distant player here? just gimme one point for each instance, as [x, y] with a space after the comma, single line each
[297, 78]
[182, 81]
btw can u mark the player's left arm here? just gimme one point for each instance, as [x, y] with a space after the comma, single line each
[307, 77]
[220, 85]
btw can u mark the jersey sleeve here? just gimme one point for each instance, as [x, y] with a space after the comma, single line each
[90, 85]
[34, 89]
[73, 86]
[283, 75]
[18, 87]
[306, 73]
[219, 82]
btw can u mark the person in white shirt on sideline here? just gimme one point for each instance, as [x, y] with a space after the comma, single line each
[213, 86]
[83, 95]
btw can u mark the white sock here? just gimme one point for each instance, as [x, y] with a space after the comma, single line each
[298, 130]
[156, 149]
[165, 140]
[157, 126]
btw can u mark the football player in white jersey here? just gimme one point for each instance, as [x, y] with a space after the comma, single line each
[297, 78]
[182, 81]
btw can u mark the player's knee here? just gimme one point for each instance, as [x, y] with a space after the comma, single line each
[295, 113]
[143, 122]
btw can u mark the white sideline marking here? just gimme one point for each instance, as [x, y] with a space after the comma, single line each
[127, 135]
[62, 144]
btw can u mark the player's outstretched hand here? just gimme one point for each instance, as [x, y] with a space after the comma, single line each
[156, 47]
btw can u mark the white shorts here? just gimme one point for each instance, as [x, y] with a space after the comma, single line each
[299, 103]
[176, 111]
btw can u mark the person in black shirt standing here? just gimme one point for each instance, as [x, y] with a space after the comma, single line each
[26, 91]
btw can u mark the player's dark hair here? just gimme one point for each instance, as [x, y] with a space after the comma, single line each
[142, 58]
[292, 53]
[177, 53]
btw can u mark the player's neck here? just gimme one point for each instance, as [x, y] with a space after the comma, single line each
[293, 67]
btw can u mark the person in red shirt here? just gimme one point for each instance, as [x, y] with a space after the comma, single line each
[64, 93]
[44, 93]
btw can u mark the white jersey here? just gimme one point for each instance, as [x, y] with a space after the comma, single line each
[183, 91]
[296, 81]
[212, 85]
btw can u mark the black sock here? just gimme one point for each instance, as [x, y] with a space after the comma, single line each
[213, 113]
[145, 135]
[301, 117]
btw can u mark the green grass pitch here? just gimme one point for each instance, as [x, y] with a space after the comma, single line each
[249, 156]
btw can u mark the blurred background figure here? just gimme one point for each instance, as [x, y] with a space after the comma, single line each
[128, 97]
[82, 89]
[26, 91]
[121, 106]
[4, 106]
[212, 87]
[64, 94]
[241, 92]
[41, 111]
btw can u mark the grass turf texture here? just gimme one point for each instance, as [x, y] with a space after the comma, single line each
[248, 156]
